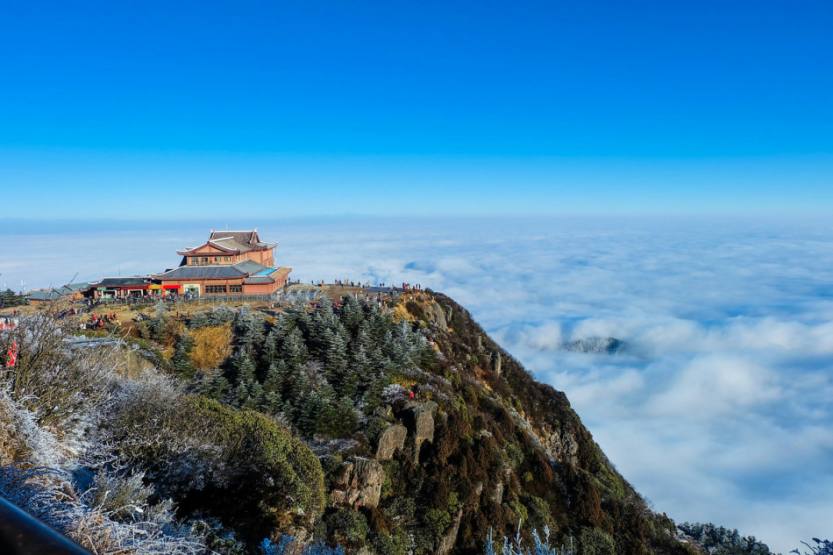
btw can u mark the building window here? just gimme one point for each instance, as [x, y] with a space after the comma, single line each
[215, 289]
[235, 288]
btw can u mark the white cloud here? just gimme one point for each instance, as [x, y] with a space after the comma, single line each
[713, 386]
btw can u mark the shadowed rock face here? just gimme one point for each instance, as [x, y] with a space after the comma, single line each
[420, 419]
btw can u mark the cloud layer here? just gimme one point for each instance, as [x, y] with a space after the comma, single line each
[718, 409]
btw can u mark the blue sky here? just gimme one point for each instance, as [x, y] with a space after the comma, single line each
[168, 110]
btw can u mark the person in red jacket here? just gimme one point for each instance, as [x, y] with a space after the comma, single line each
[11, 355]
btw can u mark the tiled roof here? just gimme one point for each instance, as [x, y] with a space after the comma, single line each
[214, 271]
[43, 295]
[57, 292]
[250, 266]
[219, 271]
[233, 241]
[242, 237]
[122, 281]
[230, 243]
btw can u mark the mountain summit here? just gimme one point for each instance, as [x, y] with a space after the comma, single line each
[383, 422]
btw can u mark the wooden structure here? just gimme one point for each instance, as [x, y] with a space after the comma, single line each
[229, 263]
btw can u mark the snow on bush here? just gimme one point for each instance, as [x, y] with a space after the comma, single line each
[394, 392]
[49, 401]
[514, 546]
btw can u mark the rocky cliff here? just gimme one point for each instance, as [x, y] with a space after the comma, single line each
[486, 446]
[391, 425]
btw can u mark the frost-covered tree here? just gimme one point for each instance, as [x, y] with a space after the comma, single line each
[817, 547]
[515, 546]
[181, 359]
[717, 540]
[318, 368]
[248, 331]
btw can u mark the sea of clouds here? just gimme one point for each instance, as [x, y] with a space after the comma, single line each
[717, 409]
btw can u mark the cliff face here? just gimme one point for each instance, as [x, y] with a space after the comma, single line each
[391, 426]
[428, 433]
[489, 447]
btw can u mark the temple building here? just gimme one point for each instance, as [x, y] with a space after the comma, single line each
[229, 263]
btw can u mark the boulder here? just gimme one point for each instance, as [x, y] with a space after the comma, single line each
[391, 440]
[497, 363]
[435, 314]
[419, 418]
[358, 484]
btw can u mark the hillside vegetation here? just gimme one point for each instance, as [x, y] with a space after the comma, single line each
[389, 427]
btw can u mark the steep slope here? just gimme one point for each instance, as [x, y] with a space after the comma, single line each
[387, 424]
[430, 434]
[512, 449]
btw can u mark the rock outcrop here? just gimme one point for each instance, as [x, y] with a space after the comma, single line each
[391, 440]
[419, 417]
[358, 484]
[497, 363]
[448, 539]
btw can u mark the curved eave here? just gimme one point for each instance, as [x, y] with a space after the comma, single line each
[193, 251]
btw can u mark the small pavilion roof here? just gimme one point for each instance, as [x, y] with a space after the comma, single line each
[233, 242]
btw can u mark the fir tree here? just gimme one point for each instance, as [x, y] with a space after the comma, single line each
[248, 331]
[351, 314]
[293, 349]
[181, 359]
[335, 357]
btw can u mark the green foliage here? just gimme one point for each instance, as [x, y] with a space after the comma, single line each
[396, 543]
[515, 454]
[10, 298]
[317, 369]
[453, 502]
[539, 512]
[215, 317]
[239, 465]
[521, 514]
[181, 359]
[347, 527]
[593, 541]
[437, 521]
[401, 509]
[161, 327]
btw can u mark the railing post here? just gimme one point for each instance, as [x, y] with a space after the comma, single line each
[23, 534]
